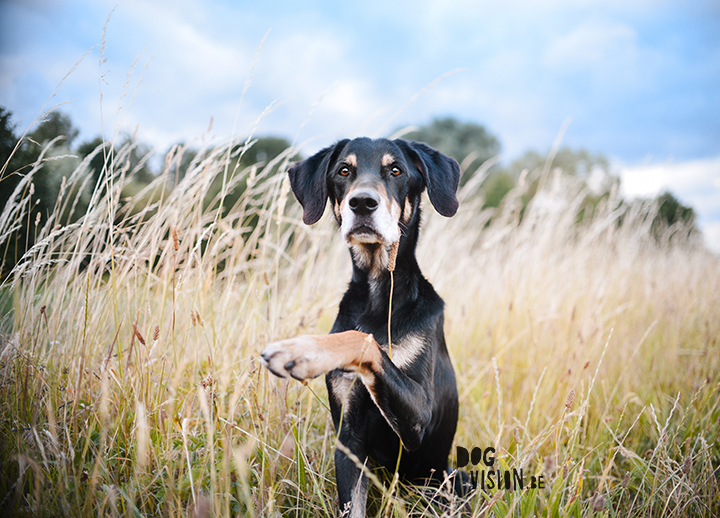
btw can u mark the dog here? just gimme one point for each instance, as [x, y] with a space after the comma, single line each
[381, 396]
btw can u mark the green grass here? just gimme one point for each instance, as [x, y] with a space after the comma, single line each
[129, 380]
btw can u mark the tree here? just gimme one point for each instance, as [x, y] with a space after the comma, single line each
[264, 150]
[458, 139]
[46, 182]
[48, 179]
[20, 158]
[593, 170]
[8, 166]
[10, 249]
[97, 162]
[56, 124]
[7, 136]
[580, 163]
[496, 187]
[672, 215]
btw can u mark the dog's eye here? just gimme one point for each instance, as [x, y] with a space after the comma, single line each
[395, 170]
[344, 170]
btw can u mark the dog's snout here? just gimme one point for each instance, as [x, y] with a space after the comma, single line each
[364, 202]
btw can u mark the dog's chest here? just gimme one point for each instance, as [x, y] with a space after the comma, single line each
[343, 385]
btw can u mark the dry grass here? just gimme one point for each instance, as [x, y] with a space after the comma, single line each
[129, 383]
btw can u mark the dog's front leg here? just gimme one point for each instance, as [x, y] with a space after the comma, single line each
[352, 484]
[309, 356]
[403, 401]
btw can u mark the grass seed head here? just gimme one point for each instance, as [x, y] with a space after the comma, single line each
[687, 465]
[393, 256]
[138, 335]
[570, 399]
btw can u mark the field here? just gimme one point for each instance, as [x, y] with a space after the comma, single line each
[587, 350]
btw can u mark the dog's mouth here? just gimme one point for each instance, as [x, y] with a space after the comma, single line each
[363, 234]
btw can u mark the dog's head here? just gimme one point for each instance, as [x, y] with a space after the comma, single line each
[374, 186]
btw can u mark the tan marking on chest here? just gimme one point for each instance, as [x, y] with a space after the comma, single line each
[341, 389]
[406, 350]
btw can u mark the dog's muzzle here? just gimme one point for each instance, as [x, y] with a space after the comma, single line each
[366, 218]
[363, 202]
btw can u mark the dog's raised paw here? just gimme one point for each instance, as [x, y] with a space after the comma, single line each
[300, 357]
[274, 357]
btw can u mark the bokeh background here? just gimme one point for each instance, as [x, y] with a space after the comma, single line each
[635, 82]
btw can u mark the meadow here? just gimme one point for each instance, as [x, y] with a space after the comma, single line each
[586, 348]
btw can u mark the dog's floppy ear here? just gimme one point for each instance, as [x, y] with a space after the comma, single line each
[308, 180]
[441, 174]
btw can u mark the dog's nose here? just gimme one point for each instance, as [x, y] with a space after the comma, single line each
[363, 202]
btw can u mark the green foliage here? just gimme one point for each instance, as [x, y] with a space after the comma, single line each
[12, 157]
[573, 162]
[674, 218]
[458, 140]
[56, 124]
[496, 187]
[97, 162]
[264, 150]
[470, 143]
[592, 171]
[7, 135]
[46, 156]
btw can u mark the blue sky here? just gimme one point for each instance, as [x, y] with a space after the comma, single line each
[639, 80]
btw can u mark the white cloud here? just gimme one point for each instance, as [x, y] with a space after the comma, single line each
[682, 178]
[711, 232]
[695, 183]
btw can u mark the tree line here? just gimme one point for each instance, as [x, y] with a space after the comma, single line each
[53, 150]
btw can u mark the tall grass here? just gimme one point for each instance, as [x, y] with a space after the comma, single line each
[586, 352]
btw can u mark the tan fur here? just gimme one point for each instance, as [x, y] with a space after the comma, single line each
[368, 254]
[351, 159]
[405, 351]
[387, 159]
[407, 211]
[371, 257]
[395, 210]
[340, 389]
[308, 356]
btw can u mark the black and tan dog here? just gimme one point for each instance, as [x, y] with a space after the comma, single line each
[406, 392]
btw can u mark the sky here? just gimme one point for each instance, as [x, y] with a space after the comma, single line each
[638, 80]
